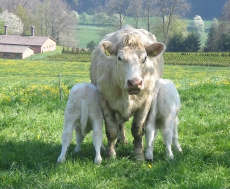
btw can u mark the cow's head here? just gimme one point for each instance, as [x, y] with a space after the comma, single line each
[131, 63]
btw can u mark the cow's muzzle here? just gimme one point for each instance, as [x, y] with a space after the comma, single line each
[134, 86]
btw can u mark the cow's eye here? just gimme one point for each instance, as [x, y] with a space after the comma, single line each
[119, 58]
[144, 60]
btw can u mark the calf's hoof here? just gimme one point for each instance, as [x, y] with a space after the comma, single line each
[148, 156]
[61, 159]
[97, 160]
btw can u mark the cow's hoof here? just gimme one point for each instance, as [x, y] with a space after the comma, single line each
[139, 156]
[111, 153]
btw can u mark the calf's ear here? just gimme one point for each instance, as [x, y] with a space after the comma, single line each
[108, 48]
[155, 49]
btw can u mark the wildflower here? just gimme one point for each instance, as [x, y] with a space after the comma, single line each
[149, 166]
[38, 137]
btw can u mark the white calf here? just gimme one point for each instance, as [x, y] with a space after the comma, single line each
[163, 115]
[83, 114]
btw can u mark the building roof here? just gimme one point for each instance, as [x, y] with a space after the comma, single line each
[13, 48]
[23, 40]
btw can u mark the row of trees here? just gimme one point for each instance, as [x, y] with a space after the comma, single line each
[218, 38]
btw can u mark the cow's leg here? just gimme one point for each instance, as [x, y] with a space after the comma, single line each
[66, 138]
[121, 138]
[111, 133]
[137, 131]
[175, 136]
[150, 136]
[79, 139]
[97, 140]
[167, 133]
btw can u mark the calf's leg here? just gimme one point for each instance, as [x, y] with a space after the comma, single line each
[97, 140]
[150, 136]
[79, 139]
[167, 133]
[66, 139]
[175, 136]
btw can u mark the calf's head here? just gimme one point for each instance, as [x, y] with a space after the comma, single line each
[131, 63]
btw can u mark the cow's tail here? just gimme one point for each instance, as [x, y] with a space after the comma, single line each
[84, 114]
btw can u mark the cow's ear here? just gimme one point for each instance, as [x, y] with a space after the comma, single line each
[155, 49]
[108, 48]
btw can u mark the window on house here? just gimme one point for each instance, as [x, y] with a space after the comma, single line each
[17, 56]
[6, 54]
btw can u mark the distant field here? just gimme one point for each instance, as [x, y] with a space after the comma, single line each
[85, 34]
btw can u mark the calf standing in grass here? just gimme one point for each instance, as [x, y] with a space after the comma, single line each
[163, 115]
[83, 114]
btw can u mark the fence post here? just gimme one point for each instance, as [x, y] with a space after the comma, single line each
[59, 85]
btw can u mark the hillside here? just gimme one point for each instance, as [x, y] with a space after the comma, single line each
[207, 9]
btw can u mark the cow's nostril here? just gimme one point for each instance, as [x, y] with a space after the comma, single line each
[140, 83]
[135, 83]
[130, 83]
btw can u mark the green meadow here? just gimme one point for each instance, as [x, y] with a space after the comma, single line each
[31, 118]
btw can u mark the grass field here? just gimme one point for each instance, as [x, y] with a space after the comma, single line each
[31, 118]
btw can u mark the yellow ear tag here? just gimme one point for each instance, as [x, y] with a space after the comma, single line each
[107, 52]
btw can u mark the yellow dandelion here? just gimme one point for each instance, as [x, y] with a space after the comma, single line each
[149, 166]
[38, 137]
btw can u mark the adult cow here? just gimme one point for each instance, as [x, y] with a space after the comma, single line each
[124, 67]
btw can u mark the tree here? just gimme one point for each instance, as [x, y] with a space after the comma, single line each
[15, 25]
[181, 43]
[91, 45]
[55, 19]
[117, 9]
[211, 43]
[99, 18]
[148, 13]
[177, 26]
[168, 9]
[136, 12]
[224, 42]
[192, 43]
[176, 43]
[84, 18]
[226, 11]
[199, 24]
[22, 13]
[12, 5]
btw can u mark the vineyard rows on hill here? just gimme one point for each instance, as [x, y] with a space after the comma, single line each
[201, 58]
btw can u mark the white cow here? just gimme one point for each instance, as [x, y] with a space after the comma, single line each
[163, 115]
[83, 114]
[124, 68]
